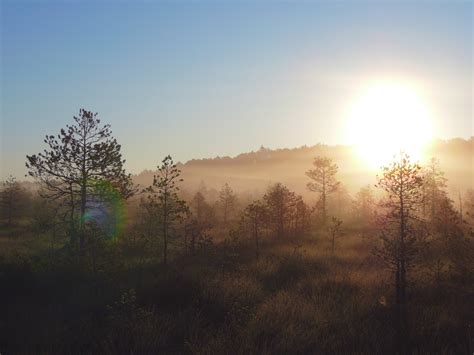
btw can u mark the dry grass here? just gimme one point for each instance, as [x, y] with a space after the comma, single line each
[296, 298]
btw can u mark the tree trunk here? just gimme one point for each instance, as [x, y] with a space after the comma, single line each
[72, 237]
[280, 221]
[10, 208]
[82, 234]
[324, 200]
[399, 321]
[333, 242]
[256, 239]
[225, 214]
[403, 333]
[165, 230]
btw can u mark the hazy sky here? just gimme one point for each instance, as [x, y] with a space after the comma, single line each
[200, 79]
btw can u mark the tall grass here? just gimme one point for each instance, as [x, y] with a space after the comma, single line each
[296, 298]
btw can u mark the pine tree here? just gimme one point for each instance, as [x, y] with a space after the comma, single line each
[12, 200]
[227, 200]
[279, 201]
[403, 182]
[163, 202]
[255, 216]
[324, 181]
[80, 158]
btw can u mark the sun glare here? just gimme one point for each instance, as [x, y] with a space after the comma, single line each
[386, 119]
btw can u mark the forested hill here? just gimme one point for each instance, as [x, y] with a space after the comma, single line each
[255, 170]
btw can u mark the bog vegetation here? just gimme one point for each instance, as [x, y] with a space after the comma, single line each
[91, 262]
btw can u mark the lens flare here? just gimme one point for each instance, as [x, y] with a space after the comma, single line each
[106, 209]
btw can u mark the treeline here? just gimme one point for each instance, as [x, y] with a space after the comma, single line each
[85, 193]
[87, 203]
[252, 171]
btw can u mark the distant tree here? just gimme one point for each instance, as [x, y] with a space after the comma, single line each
[364, 206]
[209, 193]
[47, 217]
[462, 251]
[163, 202]
[255, 216]
[198, 223]
[433, 188]
[202, 188]
[199, 205]
[324, 181]
[196, 235]
[461, 213]
[202, 211]
[80, 158]
[469, 206]
[445, 235]
[334, 231]
[448, 248]
[403, 183]
[227, 200]
[12, 200]
[279, 201]
[300, 216]
[340, 204]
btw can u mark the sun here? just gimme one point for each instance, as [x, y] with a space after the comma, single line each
[386, 119]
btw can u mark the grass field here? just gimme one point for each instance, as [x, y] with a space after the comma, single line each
[296, 298]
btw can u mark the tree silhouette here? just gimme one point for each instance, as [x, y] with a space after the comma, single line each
[324, 181]
[443, 220]
[335, 231]
[227, 199]
[81, 157]
[255, 215]
[163, 202]
[433, 188]
[300, 216]
[202, 210]
[340, 203]
[469, 207]
[279, 200]
[403, 182]
[364, 206]
[196, 235]
[12, 200]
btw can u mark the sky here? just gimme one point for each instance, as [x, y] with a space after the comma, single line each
[214, 78]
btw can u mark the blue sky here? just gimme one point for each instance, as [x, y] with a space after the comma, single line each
[200, 79]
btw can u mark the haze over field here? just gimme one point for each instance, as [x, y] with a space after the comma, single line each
[236, 177]
[254, 172]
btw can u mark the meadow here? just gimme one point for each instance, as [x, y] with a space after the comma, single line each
[297, 297]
